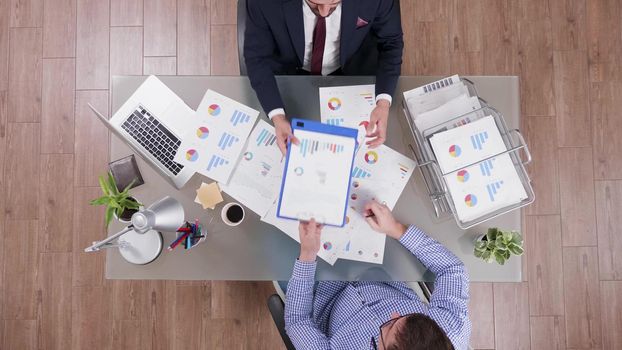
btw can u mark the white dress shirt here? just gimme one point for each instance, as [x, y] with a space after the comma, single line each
[331, 58]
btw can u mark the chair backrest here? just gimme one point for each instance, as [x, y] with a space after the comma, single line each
[241, 29]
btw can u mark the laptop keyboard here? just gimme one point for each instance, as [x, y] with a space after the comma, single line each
[154, 137]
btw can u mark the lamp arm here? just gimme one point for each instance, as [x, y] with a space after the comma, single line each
[97, 246]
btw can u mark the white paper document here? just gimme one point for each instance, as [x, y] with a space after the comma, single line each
[485, 187]
[348, 106]
[213, 143]
[256, 180]
[315, 184]
[467, 144]
[451, 110]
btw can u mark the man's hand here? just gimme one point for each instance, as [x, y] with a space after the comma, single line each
[377, 127]
[310, 233]
[283, 132]
[379, 217]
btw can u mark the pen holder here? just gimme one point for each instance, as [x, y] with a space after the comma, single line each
[189, 236]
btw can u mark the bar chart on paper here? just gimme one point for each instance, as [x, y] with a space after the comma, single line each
[492, 189]
[239, 118]
[335, 121]
[227, 140]
[310, 147]
[215, 162]
[478, 140]
[265, 138]
[359, 173]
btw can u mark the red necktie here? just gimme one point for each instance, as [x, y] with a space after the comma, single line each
[319, 39]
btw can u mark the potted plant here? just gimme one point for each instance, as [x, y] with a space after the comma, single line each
[118, 204]
[498, 245]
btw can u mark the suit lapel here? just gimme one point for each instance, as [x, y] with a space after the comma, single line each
[349, 14]
[292, 9]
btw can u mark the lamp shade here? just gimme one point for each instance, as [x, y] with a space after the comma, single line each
[166, 215]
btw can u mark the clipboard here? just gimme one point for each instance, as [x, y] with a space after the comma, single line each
[317, 173]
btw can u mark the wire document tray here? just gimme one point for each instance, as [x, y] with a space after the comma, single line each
[436, 185]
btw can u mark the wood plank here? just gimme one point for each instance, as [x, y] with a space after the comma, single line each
[227, 333]
[127, 299]
[22, 171]
[543, 170]
[59, 28]
[426, 49]
[20, 334]
[126, 13]
[193, 37]
[233, 299]
[605, 102]
[157, 315]
[126, 56]
[26, 13]
[536, 67]
[431, 10]
[466, 37]
[224, 12]
[500, 39]
[25, 77]
[161, 28]
[467, 63]
[576, 189]
[481, 313]
[533, 9]
[20, 269]
[568, 24]
[54, 287]
[93, 44]
[55, 198]
[224, 50]
[3, 123]
[604, 39]
[57, 118]
[511, 303]
[91, 318]
[192, 307]
[608, 222]
[547, 333]
[571, 105]
[581, 297]
[4, 48]
[545, 270]
[91, 140]
[611, 304]
[160, 65]
[124, 335]
[88, 268]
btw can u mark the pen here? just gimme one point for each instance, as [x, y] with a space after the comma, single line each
[177, 241]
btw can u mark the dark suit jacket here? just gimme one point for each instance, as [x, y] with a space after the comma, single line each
[274, 42]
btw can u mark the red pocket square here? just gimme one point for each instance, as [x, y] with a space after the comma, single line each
[361, 22]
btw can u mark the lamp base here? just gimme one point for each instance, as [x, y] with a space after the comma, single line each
[141, 248]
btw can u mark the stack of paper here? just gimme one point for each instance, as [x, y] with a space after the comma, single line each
[479, 181]
[216, 136]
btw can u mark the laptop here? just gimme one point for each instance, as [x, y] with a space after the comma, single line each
[151, 122]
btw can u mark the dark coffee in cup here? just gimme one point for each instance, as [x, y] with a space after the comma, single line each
[232, 214]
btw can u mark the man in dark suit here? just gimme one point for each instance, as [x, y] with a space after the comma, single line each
[321, 37]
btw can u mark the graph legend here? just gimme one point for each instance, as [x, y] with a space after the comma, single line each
[369, 97]
[265, 168]
[479, 139]
[227, 140]
[403, 170]
[215, 162]
[239, 118]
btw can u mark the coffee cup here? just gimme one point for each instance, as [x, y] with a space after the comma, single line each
[232, 214]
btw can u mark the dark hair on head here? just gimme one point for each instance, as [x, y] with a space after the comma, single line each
[420, 332]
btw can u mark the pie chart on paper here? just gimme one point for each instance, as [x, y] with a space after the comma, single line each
[214, 110]
[455, 151]
[463, 176]
[202, 132]
[334, 103]
[192, 155]
[470, 200]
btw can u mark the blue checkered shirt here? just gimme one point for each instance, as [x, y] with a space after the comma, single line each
[346, 315]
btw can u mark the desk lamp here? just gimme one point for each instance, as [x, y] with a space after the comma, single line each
[141, 242]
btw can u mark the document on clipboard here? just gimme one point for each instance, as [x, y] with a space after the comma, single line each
[316, 178]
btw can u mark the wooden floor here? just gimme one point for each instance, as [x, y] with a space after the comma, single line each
[57, 55]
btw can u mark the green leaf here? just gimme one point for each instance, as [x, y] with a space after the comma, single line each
[128, 187]
[492, 234]
[506, 254]
[104, 186]
[507, 236]
[478, 253]
[517, 238]
[480, 245]
[500, 259]
[108, 216]
[516, 249]
[112, 184]
[487, 256]
[100, 201]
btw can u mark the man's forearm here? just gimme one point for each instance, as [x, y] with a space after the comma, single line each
[432, 254]
[299, 299]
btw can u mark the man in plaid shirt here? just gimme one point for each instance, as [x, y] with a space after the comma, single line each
[378, 315]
